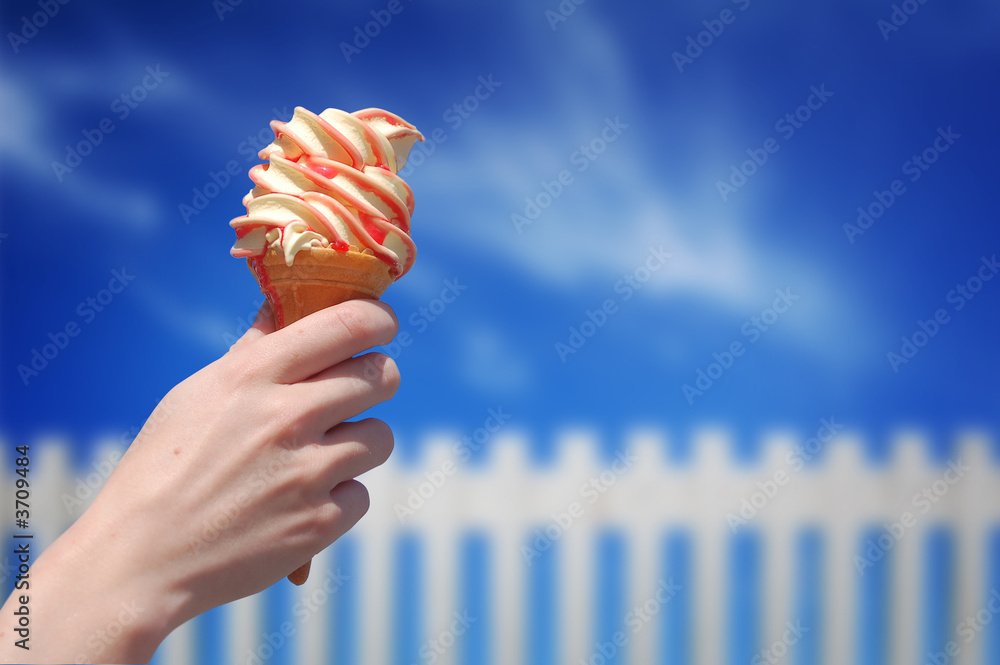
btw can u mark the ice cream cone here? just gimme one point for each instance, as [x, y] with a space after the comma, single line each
[319, 278]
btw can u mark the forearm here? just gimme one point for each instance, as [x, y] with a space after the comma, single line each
[86, 604]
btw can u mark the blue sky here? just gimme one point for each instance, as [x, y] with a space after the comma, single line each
[677, 134]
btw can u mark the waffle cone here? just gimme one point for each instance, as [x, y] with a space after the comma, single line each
[318, 278]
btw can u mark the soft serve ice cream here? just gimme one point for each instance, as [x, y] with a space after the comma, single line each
[330, 182]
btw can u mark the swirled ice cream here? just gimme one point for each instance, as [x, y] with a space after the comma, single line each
[330, 182]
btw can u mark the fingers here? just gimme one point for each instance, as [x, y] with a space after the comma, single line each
[330, 336]
[348, 502]
[263, 324]
[336, 512]
[344, 391]
[351, 449]
[346, 451]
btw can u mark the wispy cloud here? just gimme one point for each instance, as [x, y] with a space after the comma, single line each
[25, 143]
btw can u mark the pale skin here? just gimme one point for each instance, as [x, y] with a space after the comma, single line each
[243, 472]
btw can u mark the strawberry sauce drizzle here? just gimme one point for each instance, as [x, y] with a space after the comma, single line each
[256, 264]
[322, 169]
[377, 233]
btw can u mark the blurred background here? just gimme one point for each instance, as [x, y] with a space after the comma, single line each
[744, 216]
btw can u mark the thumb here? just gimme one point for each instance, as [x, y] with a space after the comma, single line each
[263, 324]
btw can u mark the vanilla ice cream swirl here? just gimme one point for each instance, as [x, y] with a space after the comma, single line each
[330, 181]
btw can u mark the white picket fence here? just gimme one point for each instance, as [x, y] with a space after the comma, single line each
[509, 497]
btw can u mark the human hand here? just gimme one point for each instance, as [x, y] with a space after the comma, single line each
[242, 473]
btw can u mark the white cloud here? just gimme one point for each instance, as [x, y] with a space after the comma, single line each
[25, 142]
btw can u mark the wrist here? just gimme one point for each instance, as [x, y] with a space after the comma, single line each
[92, 601]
